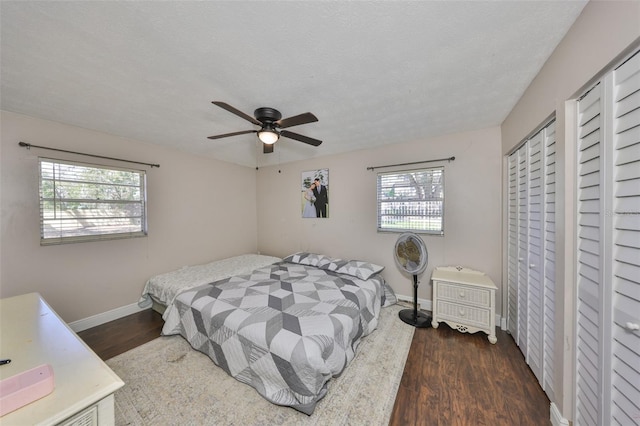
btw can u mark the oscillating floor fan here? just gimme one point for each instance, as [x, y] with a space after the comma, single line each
[412, 257]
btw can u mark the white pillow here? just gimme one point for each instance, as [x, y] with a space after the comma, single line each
[310, 259]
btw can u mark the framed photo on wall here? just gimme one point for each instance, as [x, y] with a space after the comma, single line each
[315, 193]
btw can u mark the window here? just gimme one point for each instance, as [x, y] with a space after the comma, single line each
[411, 201]
[85, 202]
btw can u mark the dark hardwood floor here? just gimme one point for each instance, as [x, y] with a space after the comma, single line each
[116, 337]
[450, 378]
[453, 378]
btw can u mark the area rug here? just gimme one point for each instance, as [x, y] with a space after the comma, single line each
[169, 383]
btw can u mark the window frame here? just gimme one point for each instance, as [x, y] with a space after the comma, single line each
[427, 217]
[81, 233]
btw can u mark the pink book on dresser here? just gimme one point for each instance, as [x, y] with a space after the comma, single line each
[24, 388]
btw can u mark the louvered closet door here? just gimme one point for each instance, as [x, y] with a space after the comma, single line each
[531, 252]
[625, 363]
[608, 281]
[549, 261]
[512, 247]
[589, 272]
[534, 352]
[523, 251]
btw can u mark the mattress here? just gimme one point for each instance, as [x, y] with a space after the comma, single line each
[163, 289]
[284, 329]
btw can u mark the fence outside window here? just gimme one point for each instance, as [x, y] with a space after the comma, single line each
[411, 201]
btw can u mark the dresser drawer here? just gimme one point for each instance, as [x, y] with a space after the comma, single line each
[456, 292]
[464, 314]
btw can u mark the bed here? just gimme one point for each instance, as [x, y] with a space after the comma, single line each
[161, 290]
[285, 329]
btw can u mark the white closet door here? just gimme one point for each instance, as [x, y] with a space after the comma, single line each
[523, 251]
[534, 352]
[512, 247]
[531, 252]
[589, 274]
[608, 280]
[625, 350]
[549, 261]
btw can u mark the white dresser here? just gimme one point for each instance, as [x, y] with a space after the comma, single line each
[465, 299]
[32, 334]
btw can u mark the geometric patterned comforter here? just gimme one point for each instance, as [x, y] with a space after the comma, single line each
[284, 329]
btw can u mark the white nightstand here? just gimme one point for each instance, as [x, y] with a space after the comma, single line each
[32, 334]
[465, 299]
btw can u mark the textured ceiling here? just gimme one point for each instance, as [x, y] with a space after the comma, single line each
[374, 73]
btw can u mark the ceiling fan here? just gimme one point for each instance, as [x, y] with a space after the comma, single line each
[271, 126]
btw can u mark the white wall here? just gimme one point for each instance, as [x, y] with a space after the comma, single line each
[198, 210]
[605, 30]
[201, 209]
[472, 207]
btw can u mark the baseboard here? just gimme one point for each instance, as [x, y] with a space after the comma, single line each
[105, 317]
[502, 322]
[556, 417]
[424, 304]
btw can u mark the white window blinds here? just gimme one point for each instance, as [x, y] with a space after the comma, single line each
[81, 202]
[411, 201]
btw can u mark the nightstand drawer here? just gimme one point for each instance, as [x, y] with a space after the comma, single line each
[464, 314]
[459, 293]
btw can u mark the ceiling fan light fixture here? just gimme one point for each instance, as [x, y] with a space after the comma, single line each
[268, 136]
[272, 126]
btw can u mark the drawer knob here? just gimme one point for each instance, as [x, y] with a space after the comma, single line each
[462, 294]
[461, 313]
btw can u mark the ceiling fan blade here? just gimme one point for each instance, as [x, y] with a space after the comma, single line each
[296, 120]
[267, 148]
[237, 112]
[226, 135]
[301, 138]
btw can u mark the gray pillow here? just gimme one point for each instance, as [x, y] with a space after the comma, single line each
[356, 268]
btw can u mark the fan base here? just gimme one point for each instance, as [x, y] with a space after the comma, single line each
[420, 321]
[267, 115]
